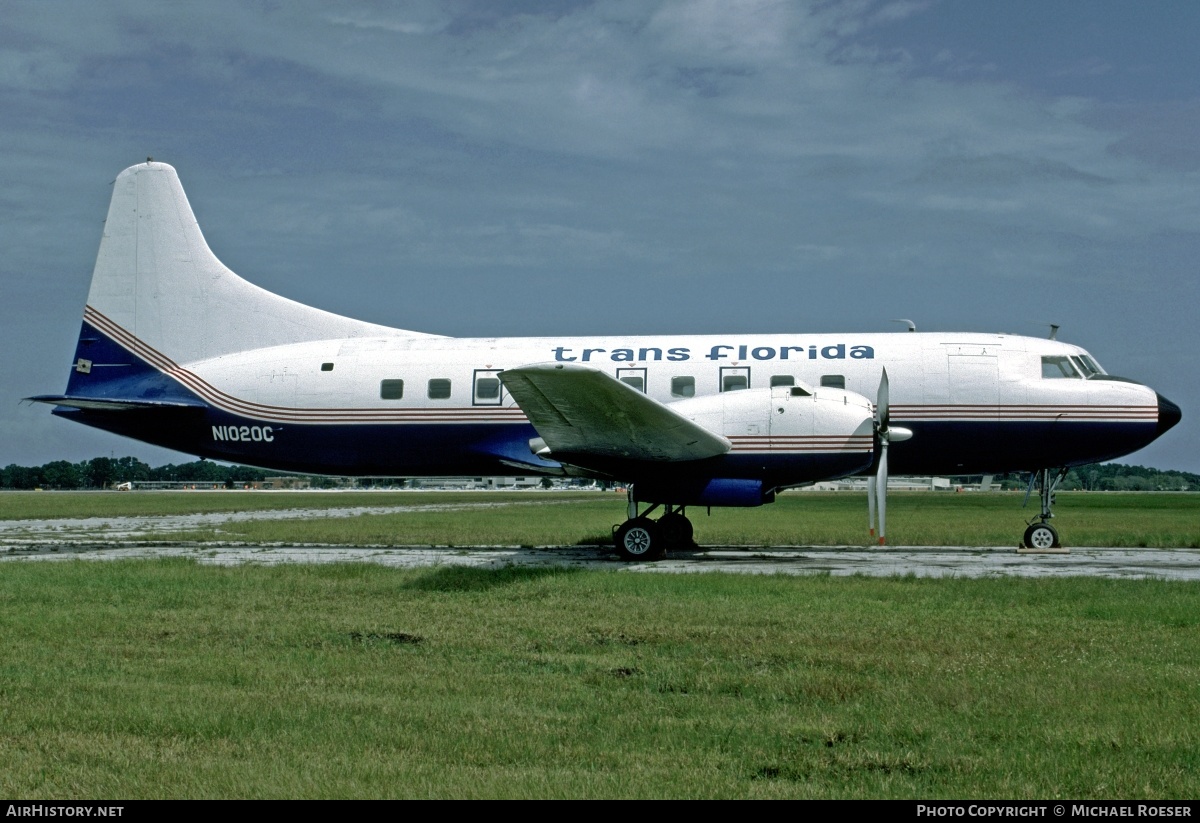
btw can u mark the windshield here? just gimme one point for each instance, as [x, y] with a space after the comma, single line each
[1083, 367]
[1058, 367]
[1092, 364]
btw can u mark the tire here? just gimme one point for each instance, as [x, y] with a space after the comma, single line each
[1041, 536]
[676, 531]
[639, 539]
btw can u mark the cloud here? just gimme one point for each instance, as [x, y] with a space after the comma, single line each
[713, 32]
[901, 10]
[1165, 135]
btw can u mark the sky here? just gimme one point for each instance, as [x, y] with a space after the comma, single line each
[558, 168]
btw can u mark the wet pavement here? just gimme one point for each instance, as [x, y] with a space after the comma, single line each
[117, 538]
[920, 561]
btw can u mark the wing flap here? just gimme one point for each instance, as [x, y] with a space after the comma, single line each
[580, 411]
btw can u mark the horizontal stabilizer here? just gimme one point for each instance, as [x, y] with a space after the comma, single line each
[110, 404]
[582, 412]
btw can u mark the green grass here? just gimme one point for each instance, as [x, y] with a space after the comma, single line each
[820, 519]
[168, 679]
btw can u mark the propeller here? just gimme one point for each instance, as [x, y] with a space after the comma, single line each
[877, 483]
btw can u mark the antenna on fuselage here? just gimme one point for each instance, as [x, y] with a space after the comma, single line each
[911, 325]
[1053, 331]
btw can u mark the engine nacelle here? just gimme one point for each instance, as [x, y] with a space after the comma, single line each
[785, 436]
[786, 415]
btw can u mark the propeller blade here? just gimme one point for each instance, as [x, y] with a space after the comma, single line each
[882, 412]
[882, 484]
[877, 485]
[877, 482]
[871, 504]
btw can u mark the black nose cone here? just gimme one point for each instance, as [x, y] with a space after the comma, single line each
[1168, 414]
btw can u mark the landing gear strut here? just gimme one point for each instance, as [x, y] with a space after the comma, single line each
[1040, 534]
[640, 538]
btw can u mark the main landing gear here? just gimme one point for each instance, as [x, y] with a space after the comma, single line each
[640, 538]
[1041, 535]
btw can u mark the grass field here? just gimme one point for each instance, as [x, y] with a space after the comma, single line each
[1164, 520]
[167, 679]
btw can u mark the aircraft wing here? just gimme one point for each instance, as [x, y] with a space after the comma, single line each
[580, 411]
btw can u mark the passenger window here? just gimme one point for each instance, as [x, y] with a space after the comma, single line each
[487, 388]
[439, 388]
[734, 378]
[1057, 367]
[683, 387]
[782, 380]
[633, 377]
[326, 367]
[391, 389]
[833, 381]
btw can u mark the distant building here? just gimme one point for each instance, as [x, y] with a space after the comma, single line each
[281, 483]
[918, 484]
[475, 483]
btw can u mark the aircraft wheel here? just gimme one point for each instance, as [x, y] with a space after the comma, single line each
[1041, 536]
[676, 531]
[639, 539]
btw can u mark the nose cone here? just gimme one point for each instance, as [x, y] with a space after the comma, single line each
[1168, 414]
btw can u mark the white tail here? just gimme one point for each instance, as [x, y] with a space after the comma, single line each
[156, 278]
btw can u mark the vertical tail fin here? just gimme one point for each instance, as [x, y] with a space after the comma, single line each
[156, 279]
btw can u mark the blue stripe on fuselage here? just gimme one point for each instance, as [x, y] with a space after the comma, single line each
[107, 371]
[994, 447]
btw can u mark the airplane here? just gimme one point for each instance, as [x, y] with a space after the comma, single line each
[178, 351]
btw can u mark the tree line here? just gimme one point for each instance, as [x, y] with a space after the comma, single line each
[1101, 477]
[1118, 477]
[106, 472]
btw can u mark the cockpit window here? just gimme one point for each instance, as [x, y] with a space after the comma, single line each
[1083, 366]
[1092, 364]
[1058, 367]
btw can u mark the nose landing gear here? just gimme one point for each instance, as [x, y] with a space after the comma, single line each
[1040, 535]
